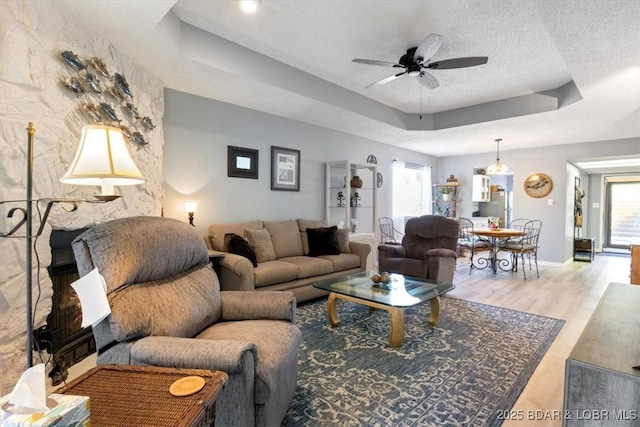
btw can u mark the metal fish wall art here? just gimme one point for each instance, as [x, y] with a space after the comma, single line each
[73, 60]
[122, 84]
[99, 66]
[109, 112]
[146, 121]
[93, 82]
[132, 110]
[91, 110]
[73, 84]
[138, 138]
[116, 93]
[95, 85]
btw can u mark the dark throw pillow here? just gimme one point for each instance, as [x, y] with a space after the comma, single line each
[235, 244]
[323, 241]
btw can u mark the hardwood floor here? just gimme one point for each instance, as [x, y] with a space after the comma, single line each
[571, 293]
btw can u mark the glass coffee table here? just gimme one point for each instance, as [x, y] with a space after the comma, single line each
[400, 293]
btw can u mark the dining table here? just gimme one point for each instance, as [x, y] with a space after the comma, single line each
[496, 236]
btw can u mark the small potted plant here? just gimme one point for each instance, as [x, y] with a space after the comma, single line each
[446, 193]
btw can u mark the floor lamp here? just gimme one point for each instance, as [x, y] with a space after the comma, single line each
[102, 159]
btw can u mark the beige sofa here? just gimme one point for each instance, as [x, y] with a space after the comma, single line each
[292, 269]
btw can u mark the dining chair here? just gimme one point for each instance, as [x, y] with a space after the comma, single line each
[526, 245]
[469, 242]
[388, 231]
[516, 224]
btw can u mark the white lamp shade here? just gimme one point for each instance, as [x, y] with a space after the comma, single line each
[102, 159]
[497, 169]
[190, 206]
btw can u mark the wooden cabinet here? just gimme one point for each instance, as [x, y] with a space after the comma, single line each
[480, 191]
[351, 205]
[446, 198]
[599, 374]
[635, 264]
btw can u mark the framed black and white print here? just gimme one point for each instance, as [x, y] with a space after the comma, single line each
[285, 169]
[242, 162]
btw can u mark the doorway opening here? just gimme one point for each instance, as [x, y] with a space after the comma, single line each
[622, 213]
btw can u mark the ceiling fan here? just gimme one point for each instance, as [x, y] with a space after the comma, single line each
[416, 62]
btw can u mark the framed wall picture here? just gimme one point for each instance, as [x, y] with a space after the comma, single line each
[242, 162]
[285, 169]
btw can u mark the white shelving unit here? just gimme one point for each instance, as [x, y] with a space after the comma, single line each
[446, 205]
[357, 209]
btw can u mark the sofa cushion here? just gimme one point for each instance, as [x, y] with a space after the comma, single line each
[235, 244]
[260, 242]
[303, 224]
[308, 266]
[140, 309]
[271, 272]
[217, 231]
[343, 240]
[343, 261]
[285, 237]
[323, 241]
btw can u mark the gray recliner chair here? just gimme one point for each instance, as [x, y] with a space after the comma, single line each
[167, 310]
[428, 249]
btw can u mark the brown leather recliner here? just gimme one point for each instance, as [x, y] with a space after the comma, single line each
[428, 249]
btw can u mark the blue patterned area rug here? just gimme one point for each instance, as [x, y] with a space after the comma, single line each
[475, 363]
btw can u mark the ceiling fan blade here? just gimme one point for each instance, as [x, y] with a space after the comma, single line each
[427, 48]
[375, 62]
[386, 80]
[428, 80]
[469, 61]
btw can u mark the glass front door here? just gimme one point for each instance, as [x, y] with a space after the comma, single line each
[622, 215]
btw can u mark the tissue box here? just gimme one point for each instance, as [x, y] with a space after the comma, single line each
[70, 411]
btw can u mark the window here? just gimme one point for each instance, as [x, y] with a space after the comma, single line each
[411, 192]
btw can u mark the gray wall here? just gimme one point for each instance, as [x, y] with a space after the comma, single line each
[198, 130]
[556, 241]
[197, 133]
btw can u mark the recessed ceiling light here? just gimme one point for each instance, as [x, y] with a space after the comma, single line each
[615, 163]
[249, 6]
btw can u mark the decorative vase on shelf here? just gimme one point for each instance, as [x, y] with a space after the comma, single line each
[446, 197]
[356, 182]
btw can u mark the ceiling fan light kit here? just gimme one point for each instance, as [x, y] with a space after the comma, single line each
[249, 6]
[417, 60]
[497, 168]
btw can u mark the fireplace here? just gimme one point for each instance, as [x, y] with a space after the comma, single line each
[62, 335]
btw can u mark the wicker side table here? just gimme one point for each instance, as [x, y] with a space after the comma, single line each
[131, 395]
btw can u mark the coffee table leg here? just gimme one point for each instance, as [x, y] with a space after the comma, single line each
[435, 311]
[396, 337]
[332, 313]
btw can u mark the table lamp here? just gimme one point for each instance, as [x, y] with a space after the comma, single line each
[102, 159]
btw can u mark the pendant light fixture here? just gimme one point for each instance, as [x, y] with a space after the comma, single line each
[497, 168]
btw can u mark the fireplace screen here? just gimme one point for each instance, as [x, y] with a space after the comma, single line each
[62, 335]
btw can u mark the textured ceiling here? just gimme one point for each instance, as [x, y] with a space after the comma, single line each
[293, 58]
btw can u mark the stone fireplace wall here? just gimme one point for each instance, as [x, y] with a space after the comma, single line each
[32, 35]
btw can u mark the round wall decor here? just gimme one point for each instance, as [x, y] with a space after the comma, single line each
[538, 185]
